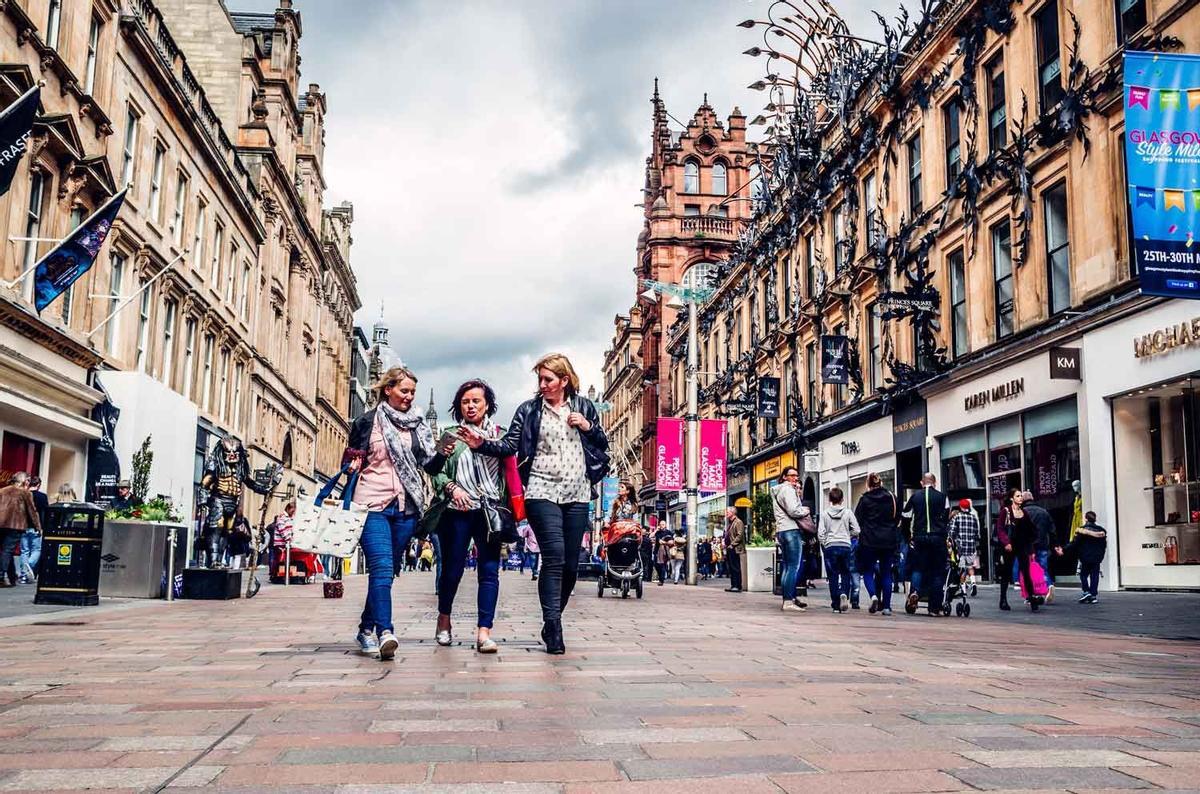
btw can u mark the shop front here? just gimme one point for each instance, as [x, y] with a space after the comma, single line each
[1011, 428]
[1143, 409]
[847, 458]
[910, 428]
[768, 471]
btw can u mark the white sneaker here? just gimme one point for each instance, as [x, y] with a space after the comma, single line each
[367, 644]
[844, 603]
[1050, 594]
[792, 606]
[388, 645]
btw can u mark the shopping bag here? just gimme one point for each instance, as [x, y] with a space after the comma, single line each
[1040, 586]
[330, 526]
[333, 589]
[516, 491]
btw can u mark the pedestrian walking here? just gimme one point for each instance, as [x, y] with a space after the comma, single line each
[735, 546]
[1089, 546]
[532, 550]
[964, 531]
[836, 531]
[646, 553]
[467, 485]
[926, 514]
[31, 539]
[562, 452]
[791, 516]
[664, 539]
[18, 512]
[704, 557]
[878, 515]
[391, 447]
[1021, 537]
[718, 557]
[1045, 541]
[678, 556]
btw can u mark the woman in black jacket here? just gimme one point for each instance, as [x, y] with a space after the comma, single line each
[562, 452]
[878, 517]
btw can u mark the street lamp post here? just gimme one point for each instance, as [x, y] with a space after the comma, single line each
[691, 296]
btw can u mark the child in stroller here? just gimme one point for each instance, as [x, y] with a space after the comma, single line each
[622, 560]
[952, 590]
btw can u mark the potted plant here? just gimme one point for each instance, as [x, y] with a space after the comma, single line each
[137, 550]
[760, 548]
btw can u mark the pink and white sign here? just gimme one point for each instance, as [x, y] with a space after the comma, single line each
[714, 455]
[669, 458]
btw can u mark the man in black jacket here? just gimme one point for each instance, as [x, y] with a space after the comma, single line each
[1045, 540]
[926, 513]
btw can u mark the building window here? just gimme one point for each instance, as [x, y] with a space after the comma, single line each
[691, 210]
[198, 240]
[916, 202]
[741, 321]
[1058, 248]
[206, 380]
[239, 373]
[93, 52]
[218, 244]
[810, 267]
[143, 334]
[871, 204]
[156, 175]
[53, 23]
[840, 391]
[841, 239]
[33, 228]
[168, 365]
[951, 121]
[116, 281]
[1050, 87]
[789, 284]
[129, 153]
[1131, 17]
[189, 356]
[997, 105]
[244, 310]
[181, 187]
[691, 177]
[223, 411]
[874, 347]
[960, 341]
[1002, 271]
[810, 371]
[753, 315]
[720, 180]
[719, 211]
[231, 276]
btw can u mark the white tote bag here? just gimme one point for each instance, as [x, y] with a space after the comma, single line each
[327, 525]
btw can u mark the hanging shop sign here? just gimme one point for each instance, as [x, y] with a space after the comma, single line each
[1065, 363]
[1184, 334]
[909, 426]
[1162, 140]
[768, 397]
[771, 468]
[897, 303]
[714, 455]
[1005, 391]
[835, 359]
[668, 475]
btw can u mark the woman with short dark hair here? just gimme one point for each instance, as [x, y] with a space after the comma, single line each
[456, 514]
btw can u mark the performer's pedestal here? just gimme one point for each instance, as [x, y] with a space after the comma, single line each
[212, 585]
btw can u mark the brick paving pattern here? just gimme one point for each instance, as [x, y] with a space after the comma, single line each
[691, 689]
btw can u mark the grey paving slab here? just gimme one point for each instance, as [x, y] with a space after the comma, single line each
[1033, 778]
[405, 754]
[563, 752]
[714, 767]
[983, 718]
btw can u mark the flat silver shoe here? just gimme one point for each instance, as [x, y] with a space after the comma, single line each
[443, 637]
[487, 646]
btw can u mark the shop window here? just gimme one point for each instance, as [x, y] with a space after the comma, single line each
[963, 472]
[1050, 86]
[997, 105]
[1052, 468]
[1002, 274]
[960, 339]
[1058, 248]
[1131, 17]
[19, 453]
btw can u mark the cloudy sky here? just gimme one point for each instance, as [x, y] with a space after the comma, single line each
[494, 152]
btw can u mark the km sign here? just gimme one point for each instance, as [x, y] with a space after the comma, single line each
[1064, 363]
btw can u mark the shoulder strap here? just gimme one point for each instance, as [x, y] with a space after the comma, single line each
[928, 528]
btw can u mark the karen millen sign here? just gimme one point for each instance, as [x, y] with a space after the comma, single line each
[1167, 339]
[1005, 391]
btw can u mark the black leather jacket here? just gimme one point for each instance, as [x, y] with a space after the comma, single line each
[522, 437]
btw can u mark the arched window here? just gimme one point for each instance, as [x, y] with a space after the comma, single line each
[720, 185]
[691, 177]
[699, 275]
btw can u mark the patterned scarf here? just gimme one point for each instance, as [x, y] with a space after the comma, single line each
[405, 456]
[479, 475]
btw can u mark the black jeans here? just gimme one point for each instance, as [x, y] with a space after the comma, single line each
[929, 560]
[1089, 577]
[733, 561]
[559, 531]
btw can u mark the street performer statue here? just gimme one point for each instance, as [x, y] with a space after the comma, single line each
[226, 474]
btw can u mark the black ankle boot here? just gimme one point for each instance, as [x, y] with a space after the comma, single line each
[552, 636]
[1004, 598]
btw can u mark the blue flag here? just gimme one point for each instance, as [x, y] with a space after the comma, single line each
[74, 256]
[16, 122]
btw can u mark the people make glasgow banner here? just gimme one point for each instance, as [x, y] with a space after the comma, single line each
[668, 475]
[74, 256]
[714, 455]
[16, 122]
[1162, 153]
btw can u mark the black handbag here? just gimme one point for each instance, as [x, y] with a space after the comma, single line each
[499, 518]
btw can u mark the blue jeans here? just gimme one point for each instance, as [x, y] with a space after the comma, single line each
[456, 530]
[792, 546]
[837, 570]
[868, 559]
[928, 559]
[385, 537]
[855, 578]
[1089, 577]
[31, 551]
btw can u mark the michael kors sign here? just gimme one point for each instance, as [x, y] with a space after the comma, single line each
[1005, 391]
[1184, 334]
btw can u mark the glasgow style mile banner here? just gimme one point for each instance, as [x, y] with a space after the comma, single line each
[1162, 153]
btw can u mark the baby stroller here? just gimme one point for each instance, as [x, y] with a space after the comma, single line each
[622, 562]
[951, 590]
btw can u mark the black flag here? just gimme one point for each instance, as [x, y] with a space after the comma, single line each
[70, 259]
[16, 122]
[835, 359]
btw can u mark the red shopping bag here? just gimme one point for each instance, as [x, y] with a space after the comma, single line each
[1040, 586]
[516, 491]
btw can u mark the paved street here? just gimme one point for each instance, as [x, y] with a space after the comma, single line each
[688, 690]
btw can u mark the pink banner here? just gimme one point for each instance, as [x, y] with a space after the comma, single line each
[669, 460]
[713, 455]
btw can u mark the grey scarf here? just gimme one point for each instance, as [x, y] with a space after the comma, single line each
[407, 458]
[479, 475]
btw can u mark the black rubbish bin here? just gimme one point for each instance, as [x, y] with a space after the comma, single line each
[69, 571]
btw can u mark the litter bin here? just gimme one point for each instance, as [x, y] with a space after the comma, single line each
[136, 558]
[69, 571]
